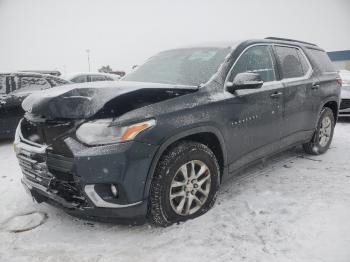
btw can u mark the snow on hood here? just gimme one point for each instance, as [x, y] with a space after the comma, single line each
[79, 101]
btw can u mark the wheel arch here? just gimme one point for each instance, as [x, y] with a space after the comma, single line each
[199, 134]
[333, 104]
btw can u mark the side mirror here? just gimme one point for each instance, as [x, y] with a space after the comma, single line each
[245, 81]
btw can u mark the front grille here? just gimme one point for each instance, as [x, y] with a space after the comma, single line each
[345, 104]
[54, 172]
[35, 170]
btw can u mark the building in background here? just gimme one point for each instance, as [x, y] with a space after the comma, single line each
[341, 59]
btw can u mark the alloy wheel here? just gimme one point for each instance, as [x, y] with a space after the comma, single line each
[190, 188]
[325, 131]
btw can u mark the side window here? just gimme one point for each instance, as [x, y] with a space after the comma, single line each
[2, 85]
[57, 82]
[304, 64]
[79, 79]
[290, 62]
[256, 59]
[322, 60]
[98, 78]
[28, 83]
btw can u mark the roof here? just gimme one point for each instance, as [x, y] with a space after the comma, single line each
[26, 74]
[30, 74]
[47, 72]
[289, 40]
[234, 44]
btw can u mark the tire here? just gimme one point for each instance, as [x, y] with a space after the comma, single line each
[175, 162]
[317, 145]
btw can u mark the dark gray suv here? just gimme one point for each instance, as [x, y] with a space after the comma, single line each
[158, 143]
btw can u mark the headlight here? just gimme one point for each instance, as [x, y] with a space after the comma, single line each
[101, 132]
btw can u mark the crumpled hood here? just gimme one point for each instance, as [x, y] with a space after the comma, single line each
[78, 101]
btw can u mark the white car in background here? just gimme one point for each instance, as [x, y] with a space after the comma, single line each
[83, 77]
[345, 93]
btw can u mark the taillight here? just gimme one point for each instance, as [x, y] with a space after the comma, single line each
[339, 81]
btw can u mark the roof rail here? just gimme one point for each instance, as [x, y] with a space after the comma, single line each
[287, 39]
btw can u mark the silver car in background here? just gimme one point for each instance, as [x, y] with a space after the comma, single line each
[83, 77]
[345, 93]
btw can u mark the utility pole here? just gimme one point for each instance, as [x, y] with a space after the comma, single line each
[88, 58]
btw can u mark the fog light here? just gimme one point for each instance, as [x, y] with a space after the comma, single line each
[114, 190]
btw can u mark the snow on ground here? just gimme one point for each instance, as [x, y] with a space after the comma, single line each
[294, 207]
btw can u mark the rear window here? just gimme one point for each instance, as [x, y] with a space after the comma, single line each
[322, 60]
[290, 61]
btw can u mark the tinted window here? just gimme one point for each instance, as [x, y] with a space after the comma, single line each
[57, 81]
[2, 84]
[290, 62]
[79, 79]
[98, 78]
[304, 64]
[256, 59]
[28, 83]
[187, 66]
[322, 60]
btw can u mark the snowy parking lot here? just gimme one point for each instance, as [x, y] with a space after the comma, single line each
[293, 207]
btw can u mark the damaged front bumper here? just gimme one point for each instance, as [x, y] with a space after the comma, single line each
[80, 184]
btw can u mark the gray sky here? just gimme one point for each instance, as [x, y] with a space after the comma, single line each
[54, 34]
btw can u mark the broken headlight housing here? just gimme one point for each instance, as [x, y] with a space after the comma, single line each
[104, 131]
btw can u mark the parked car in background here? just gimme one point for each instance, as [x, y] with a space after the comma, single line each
[14, 87]
[345, 93]
[119, 73]
[46, 72]
[90, 77]
[158, 143]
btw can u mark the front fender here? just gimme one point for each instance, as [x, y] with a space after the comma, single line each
[177, 137]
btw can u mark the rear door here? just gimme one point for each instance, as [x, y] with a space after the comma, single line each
[296, 74]
[10, 110]
[325, 85]
[257, 113]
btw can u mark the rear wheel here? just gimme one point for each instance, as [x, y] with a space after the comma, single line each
[185, 183]
[323, 135]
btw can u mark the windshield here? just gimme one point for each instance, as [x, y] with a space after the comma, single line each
[190, 66]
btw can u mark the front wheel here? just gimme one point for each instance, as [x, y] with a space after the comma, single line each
[323, 135]
[185, 183]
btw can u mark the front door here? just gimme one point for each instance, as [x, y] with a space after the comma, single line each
[256, 126]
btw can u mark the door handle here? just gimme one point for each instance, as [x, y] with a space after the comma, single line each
[276, 95]
[315, 86]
